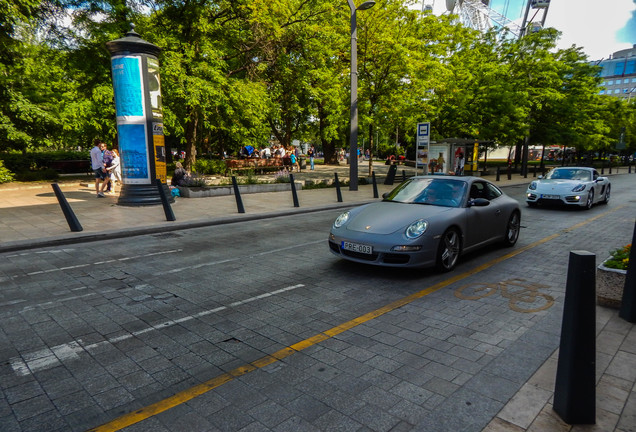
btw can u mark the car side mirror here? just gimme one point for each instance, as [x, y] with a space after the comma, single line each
[385, 194]
[478, 202]
[600, 179]
[540, 177]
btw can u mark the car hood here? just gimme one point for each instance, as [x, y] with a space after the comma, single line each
[557, 184]
[389, 217]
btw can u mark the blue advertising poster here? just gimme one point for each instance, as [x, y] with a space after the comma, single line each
[127, 86]
[134, 152]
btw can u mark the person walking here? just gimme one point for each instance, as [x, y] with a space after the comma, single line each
[97, 164]
[115, 170]
[311, 153]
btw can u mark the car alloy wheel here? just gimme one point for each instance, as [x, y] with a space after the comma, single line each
[590, 200]
[448, 250]
[512, 229]
[607, 194]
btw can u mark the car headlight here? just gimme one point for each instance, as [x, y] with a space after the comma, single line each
[341, 220]
[533, 186]
[579, 188]
[416, 229]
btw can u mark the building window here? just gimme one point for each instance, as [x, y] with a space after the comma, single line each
[617, 91]
[619, 69]
[631, 67]
[610, 82]
[634, 80]
[602, 92]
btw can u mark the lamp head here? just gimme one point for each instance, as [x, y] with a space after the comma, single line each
[366, 5]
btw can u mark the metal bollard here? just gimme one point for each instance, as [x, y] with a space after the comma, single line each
[237, 195]
[338, 191]
[71, 219]
[390, 177]
[375, 185]
[403, 176]
[167, 210]
[509, 173]
[498, 174]
[628, 302]
[575, 386]
[293, 189]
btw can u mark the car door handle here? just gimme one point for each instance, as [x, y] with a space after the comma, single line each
[498, 212]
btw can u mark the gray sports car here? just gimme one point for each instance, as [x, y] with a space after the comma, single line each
[427, 221]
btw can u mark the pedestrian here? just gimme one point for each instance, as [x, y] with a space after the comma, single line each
[97, 164]
[107, 157]
[115, 170]
[311, 153]
[179, 175]
[294, 161]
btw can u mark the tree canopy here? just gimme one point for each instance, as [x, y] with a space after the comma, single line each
[238, 72]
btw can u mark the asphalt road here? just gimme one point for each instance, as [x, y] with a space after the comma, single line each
[258, 327]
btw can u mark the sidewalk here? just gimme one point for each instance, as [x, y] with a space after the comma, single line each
[30, 217]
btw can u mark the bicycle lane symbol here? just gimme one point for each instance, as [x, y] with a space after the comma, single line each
[522, 296]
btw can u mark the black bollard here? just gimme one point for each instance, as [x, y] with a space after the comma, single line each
[71, 219]
[628, 302]
[509, 173]
[534, 171]
[375, 185]
[164, 201]
[629, 168]
[237, 195]
[575, 386]
[338, 192]
[498, 174]
[390, 177]
[403, 176]
[293, 188]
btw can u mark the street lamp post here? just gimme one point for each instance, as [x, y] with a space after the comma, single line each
[353, 131]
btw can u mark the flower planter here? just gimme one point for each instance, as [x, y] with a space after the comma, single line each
[201, 192]
[609, 286]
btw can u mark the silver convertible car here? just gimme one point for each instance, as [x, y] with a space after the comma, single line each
[427, 221]
[573, 186]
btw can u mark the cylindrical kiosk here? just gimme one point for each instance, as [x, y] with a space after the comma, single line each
[142, 149]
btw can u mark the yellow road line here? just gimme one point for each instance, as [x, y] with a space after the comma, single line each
[200, 389]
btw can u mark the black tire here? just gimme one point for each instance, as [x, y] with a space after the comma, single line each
[512, 229]
[590, 200]
[606, 196]
[449, 249]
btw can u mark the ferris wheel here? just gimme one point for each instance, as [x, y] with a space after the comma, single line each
[478, 15]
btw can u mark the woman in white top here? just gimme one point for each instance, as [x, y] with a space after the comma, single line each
[115, 170]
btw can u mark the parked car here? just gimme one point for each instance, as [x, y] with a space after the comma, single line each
[427, 221]
[572, 186]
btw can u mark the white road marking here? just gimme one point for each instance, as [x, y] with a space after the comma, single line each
[213, 263]
[48, 358]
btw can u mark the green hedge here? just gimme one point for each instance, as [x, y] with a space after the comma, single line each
[18, 162]
[6, 176]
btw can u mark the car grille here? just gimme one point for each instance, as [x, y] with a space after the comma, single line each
[358, 255]
[396, 258]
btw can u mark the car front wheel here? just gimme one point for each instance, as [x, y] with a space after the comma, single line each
[606, 197]
[512, 229]
[590, 200]
[448, 250]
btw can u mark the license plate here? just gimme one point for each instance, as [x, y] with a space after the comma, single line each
[356, 247]
[546, 196]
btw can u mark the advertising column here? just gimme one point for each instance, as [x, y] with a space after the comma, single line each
[421, 146]
[136, 84]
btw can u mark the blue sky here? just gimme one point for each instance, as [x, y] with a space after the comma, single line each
[600, 27]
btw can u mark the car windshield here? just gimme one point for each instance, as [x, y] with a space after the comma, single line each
[569, 174]
[428, 191]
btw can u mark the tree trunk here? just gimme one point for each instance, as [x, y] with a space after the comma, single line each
[191, 141]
